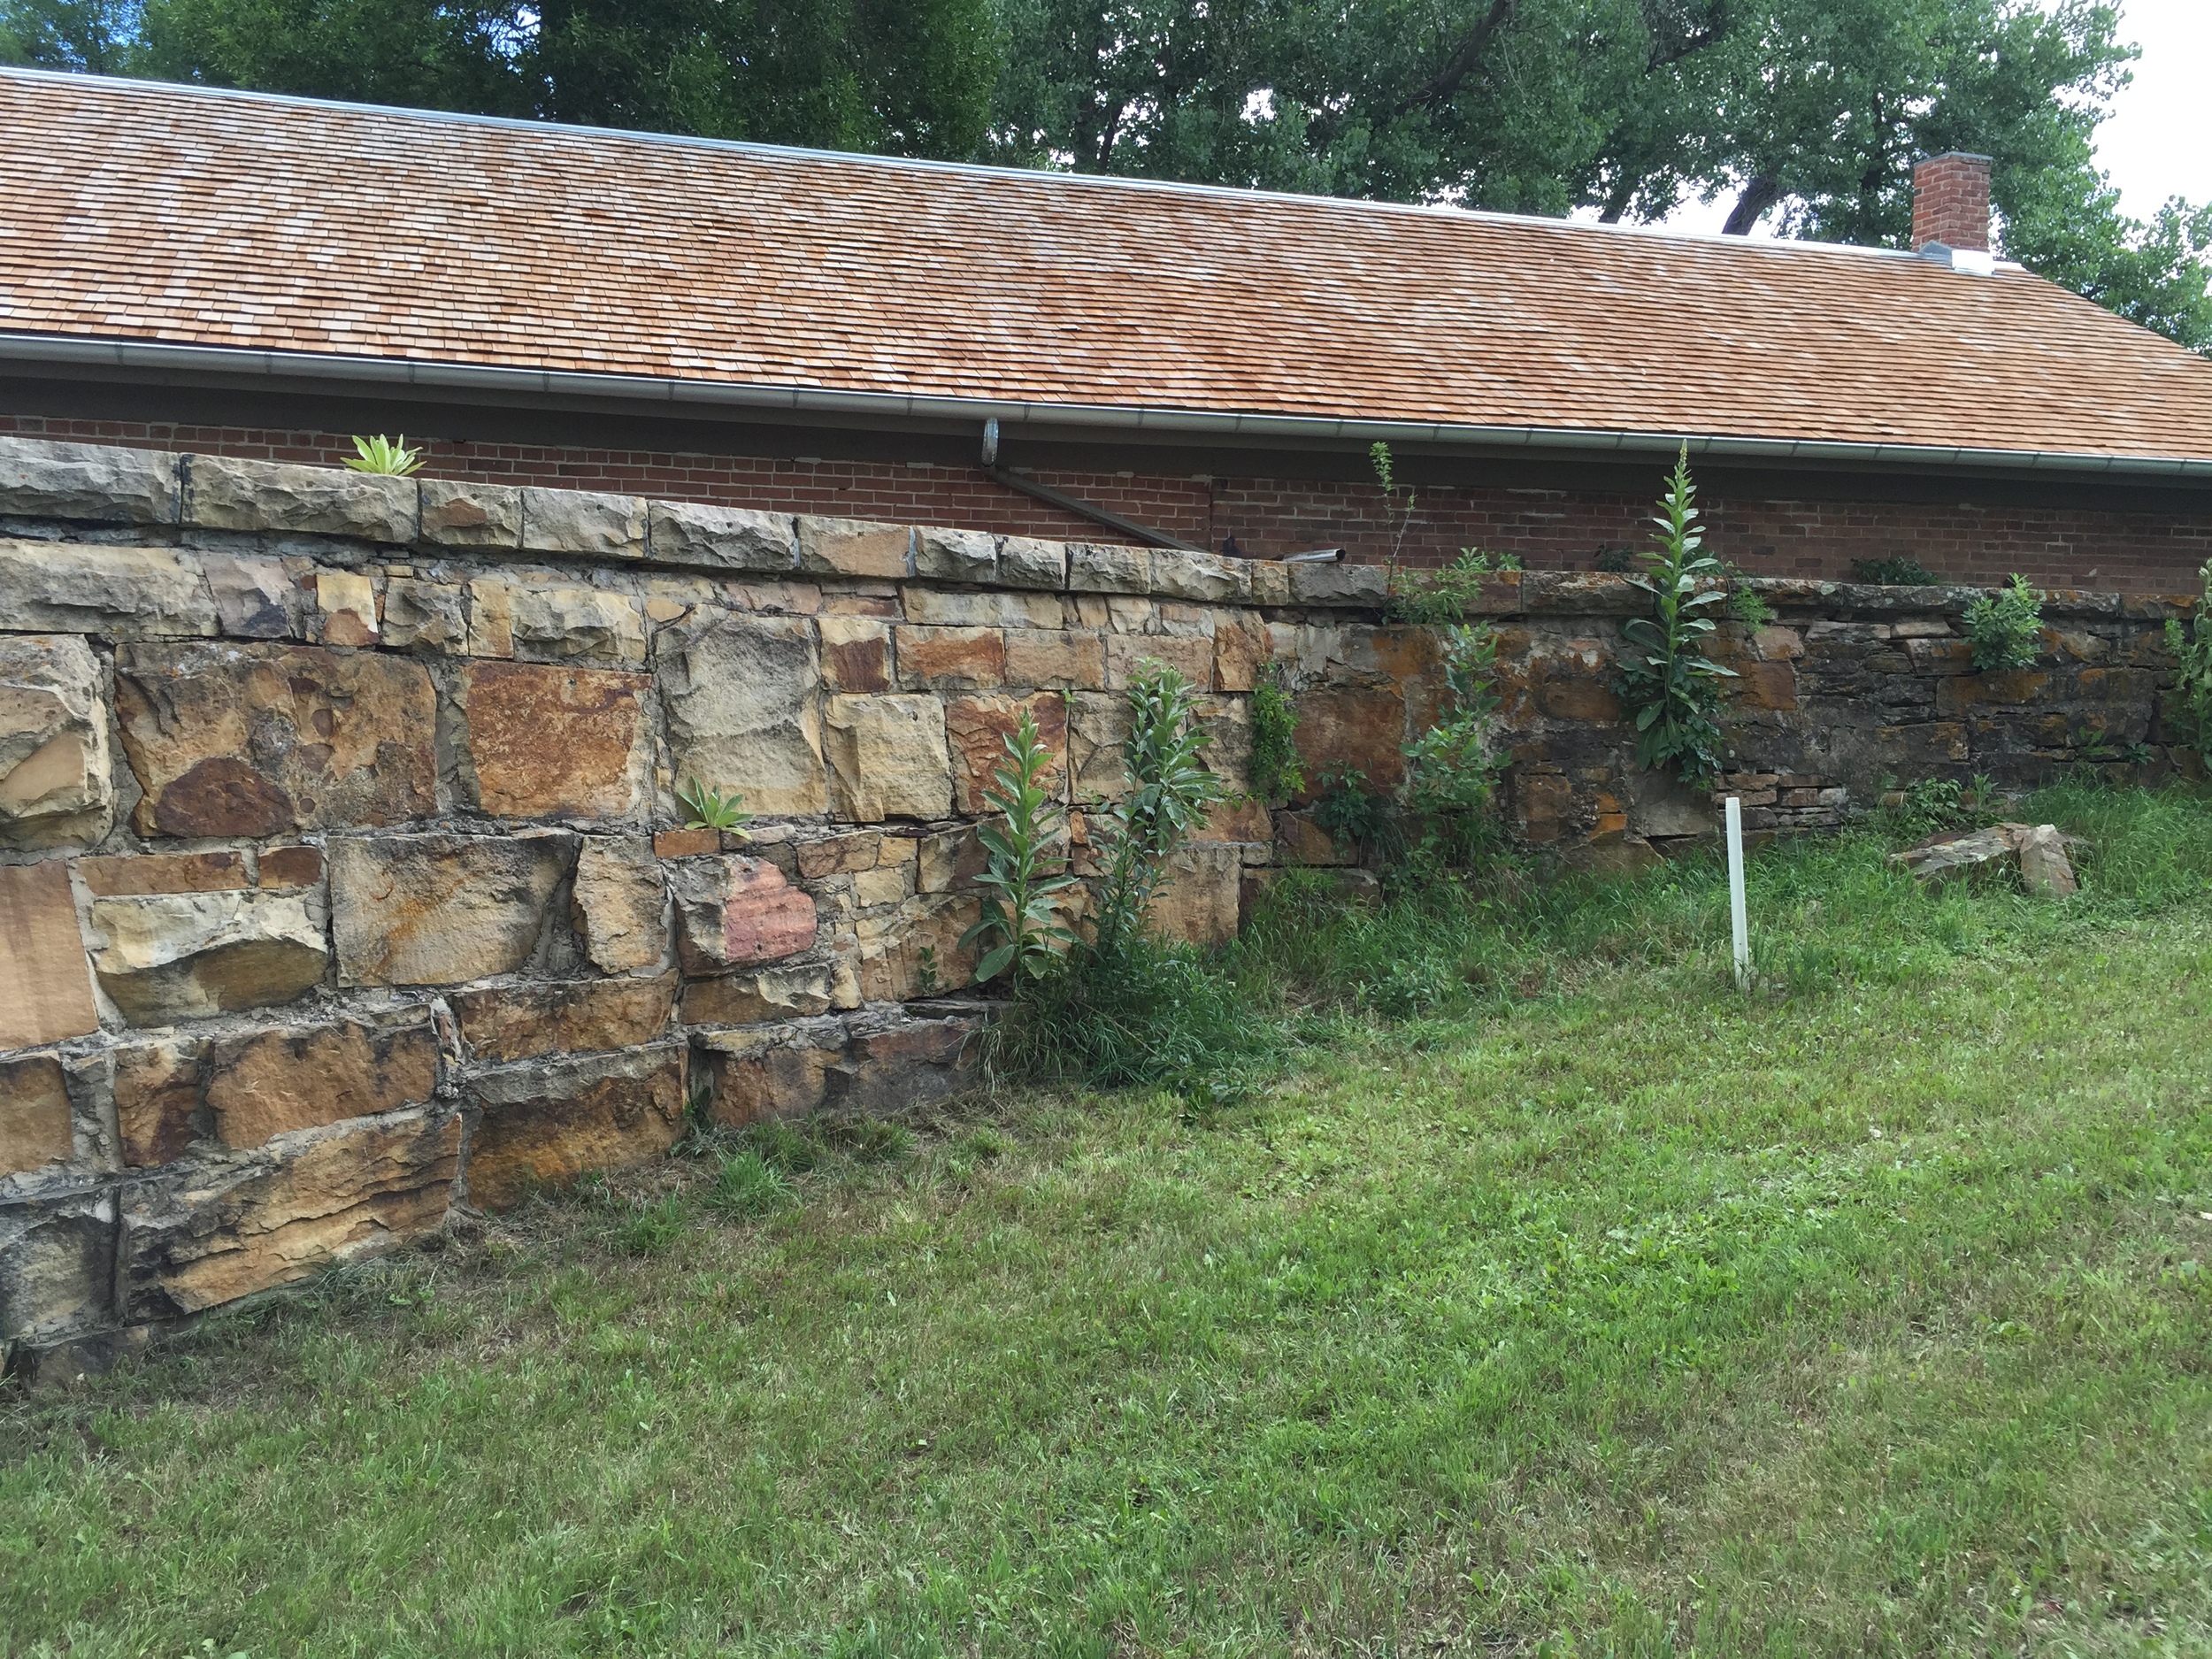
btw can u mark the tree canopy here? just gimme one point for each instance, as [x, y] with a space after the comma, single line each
[1805, 114]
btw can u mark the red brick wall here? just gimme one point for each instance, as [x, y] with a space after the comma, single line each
[2144, 552]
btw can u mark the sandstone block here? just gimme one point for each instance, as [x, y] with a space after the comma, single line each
[1198, 897]
[56, 1266]
[2044, 865]
[951, 659]
[1364, 586]
[204, 1237]
[420, 615]
[522, 1022]
[1242, 650]
[1200, 577]
[1098, 727]
[345, 609]
[752, 998]
[156, 1101]
[621, 903]
[491, 620]
[126, 593]
[1271, 582]
[225, 493]
[733, 911]
[170, 956]
[978, 729]
[544, 1124]
[256, 739]
[1023, 561]
[902, 1064]
[758, 1081]
[888, 757]
[925, 930]
[839, 854]
[1238, 818]
[34, 1122]
[290, 867]
[254, 599]
[441, 910]
[931, 608]
[954, 556]
[950, 861]
[1299, 841]
[55, 789]
[886, 886]
[583, 624]
[852, 547]
[744, 711]
[1351, 728]
[270, 1083]
[855, 653]
[45, 984]
[557, 742]
[686, 844]
[460, 513]
[1063, 659]
[95, 482]
[1095, 569]
[583, 521]
[721, 538]
[1193, 659]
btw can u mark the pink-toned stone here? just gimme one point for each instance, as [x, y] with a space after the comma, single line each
[732, 912]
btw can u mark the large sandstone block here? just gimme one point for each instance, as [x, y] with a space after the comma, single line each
[1201, 577]
[463, 513]
[733, 911]
[1024, 562]
[522, 1022]
[876, 1064]
[225, 493]
[205, 1236]
[254, 598]
[34, 1118]
[1128, 653]
[269, 1083]
[423, 616]
[56, 1266]
[933, 607]
[1351, 728]
[1197, 898]
[752, 998]
[619, 907]
[852, 547]
[888, 757]
[979, 728]
[96, 482]
[744, 710]
[954, 556]
[45, 982]
[1242, 650]
[54, 786]
[157, 1100]
[557, 743]
[345, 609]
[855, 653]
[755, 1075]
[441, 910]
[1065, 659]
[125, 874]
[916, 950]
[169, 956]
[126, 593]
[1364, 586]
[1098, 727]
[951, 659]
[583, 521]
[576, 625]
[544, 1124]
[722, 538]
[1096, 569]
[257, 739]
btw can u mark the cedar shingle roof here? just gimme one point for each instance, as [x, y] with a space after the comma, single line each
[155, 213]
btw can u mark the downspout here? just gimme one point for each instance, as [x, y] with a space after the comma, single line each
[1143, 534]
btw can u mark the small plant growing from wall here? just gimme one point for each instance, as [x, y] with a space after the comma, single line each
[2193, 648]
[711, 810]
[1894, 573]
[1023, 876]
[1448, 594]
[1672, 688]
[2004, 630]
[1277, 772]
[389, 456]
[1450, 775]
[1171, 791]
[1397, 504]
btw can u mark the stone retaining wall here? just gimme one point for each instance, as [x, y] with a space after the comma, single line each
[340, 879]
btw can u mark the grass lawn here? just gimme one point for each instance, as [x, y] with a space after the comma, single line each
[1583, 1307]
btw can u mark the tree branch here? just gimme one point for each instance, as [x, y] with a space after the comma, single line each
[1460, 63]
[1762, 193]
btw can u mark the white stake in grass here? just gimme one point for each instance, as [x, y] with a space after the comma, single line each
[1735, 892]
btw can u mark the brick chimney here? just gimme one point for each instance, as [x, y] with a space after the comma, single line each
[1950, 209]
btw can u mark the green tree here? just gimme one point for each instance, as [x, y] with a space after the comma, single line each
[92, 36]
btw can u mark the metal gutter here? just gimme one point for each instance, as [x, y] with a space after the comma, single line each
[80, 352]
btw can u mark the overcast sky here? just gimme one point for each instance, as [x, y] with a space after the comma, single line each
[2158, 142]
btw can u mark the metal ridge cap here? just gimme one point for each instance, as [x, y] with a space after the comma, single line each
[1021, 412]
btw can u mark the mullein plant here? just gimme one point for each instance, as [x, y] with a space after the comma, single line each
[1171, 792]
[382, 454]
[1024, 874]
[1666, 680]
[2193, 649]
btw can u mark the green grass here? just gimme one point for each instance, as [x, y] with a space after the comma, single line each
[1550, 1298]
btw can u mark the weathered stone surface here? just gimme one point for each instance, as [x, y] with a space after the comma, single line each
[557, 743]
[951, 659]
[733, 911]
[1071, 660]
[586, 625]
[1945, 857]
[1096, 569]
[55, 789]
[744, 710]
[1197, 899]
[1299, 841]
[2044, 865]
[45, 984]
[583, 521]
[226, 494]
[520, 1022]
[686, 844]
[254, 597]
[457, 513]
[856, 653]
[1364, 586]
[916, 950]
[1346, 728]
[754, 1079]
[545, 1124]
[1126, 653]
[491, 620]
[34, 1124]
[888, 757]
[256, 739]
[954, 556]
[291, 867]
[421, 616]
[126, 593]
[1242, 650]
[96, 482]
[1201, 577]
[1098, 727]
[156, 1099]
[345, 609]
[201, 1238]
[169, 956]
[1001, 610]
[269, 1083]
[1238, 818]
[621, 903]
[839, 854]
[950, 861]
[978, 728]
[752, 999]
[1271, 581]
[1023, 561]
[852, 547]
[870, 1063]
[56, 1266]
[888, 886]
[441, 910]
[722, 538]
